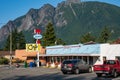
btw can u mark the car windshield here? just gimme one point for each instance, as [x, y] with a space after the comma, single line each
[67, 62]
[70, 61]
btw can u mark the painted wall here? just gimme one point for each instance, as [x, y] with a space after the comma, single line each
[73, 49]
[110, 51]
[29, 56]
[20, 54]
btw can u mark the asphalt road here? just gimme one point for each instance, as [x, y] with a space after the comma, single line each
[41, 73]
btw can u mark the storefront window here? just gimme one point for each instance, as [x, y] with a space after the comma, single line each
[79, 57]
[90, 60]
[85, 58]
[74, 57]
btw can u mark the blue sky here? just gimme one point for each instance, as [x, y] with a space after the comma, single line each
[11, 9]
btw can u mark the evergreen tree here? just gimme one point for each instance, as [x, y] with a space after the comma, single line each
[21, 41]
[49, 36]
[104, 35]
[59, 41]
[14, 39]
[7, 44]
[86, 38]
[18, 41]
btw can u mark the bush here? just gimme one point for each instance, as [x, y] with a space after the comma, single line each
[4, 60]
[16, 60]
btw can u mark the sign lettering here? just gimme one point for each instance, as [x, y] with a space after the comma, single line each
[33, 47]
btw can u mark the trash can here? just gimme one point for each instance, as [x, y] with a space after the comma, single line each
[31, 64]
[25, 64]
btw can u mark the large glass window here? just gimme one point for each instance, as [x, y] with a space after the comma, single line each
[90, 60]
[85, 58]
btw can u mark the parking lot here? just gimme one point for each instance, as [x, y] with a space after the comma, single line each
[43, 73]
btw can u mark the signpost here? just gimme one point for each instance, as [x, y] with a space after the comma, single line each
[37, 36]
[37, 46]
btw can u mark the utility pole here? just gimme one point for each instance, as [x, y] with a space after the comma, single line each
[10, 48]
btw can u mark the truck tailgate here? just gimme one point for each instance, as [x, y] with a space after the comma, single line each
[101, 67]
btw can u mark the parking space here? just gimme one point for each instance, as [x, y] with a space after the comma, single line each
[45, 74]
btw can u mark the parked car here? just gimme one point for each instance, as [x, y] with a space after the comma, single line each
[109, 67]
[75, 66]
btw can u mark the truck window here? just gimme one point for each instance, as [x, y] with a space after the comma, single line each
[117, 62]
[110, 62]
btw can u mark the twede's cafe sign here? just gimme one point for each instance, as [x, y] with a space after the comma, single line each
[37, 46]
[33, 47]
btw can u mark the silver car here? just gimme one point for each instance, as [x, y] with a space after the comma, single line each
[75, 66]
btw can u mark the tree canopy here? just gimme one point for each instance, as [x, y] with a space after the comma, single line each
[16, 40]
[49, 37]
[87, 37]
[104, 35]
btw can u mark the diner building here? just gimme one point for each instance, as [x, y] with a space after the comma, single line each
[52, 56]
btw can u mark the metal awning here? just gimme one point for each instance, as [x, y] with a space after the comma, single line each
[70, 55]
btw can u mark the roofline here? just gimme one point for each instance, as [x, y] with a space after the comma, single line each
[70, 55]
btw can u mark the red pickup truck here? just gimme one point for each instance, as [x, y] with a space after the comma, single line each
[109, 67]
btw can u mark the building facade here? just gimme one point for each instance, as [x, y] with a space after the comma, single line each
[91, 53]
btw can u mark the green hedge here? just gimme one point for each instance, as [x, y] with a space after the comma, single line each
[4, 60]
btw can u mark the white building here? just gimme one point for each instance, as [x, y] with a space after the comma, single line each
[91, 53]
[109, 51]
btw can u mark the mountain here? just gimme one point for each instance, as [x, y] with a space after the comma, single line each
[71, 20]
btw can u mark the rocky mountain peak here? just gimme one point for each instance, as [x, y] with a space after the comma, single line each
[72, 1]
[71, 19]
[32, 11]
[46, 6]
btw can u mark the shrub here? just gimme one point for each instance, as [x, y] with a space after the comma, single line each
[17, 60]
[4, 60]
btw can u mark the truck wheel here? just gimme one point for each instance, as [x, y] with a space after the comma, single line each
[77, 71]
[115, 74]
[99, 75]
[90, 70]
[64, 72]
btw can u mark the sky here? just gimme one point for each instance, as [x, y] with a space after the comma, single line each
[12, 9]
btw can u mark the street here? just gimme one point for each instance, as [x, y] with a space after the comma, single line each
[46, 74]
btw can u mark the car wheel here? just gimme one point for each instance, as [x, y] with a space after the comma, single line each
[115, 74]
[64, 72]
[77, 71]
[99, 75]
[90, 70]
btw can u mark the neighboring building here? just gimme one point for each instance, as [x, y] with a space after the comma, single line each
[6, 54]
[117, 41]
[29, 56]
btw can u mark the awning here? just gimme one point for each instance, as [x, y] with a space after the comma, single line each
[70, 55]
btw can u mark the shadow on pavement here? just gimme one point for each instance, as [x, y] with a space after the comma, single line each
[103, 78]
[55, 76]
